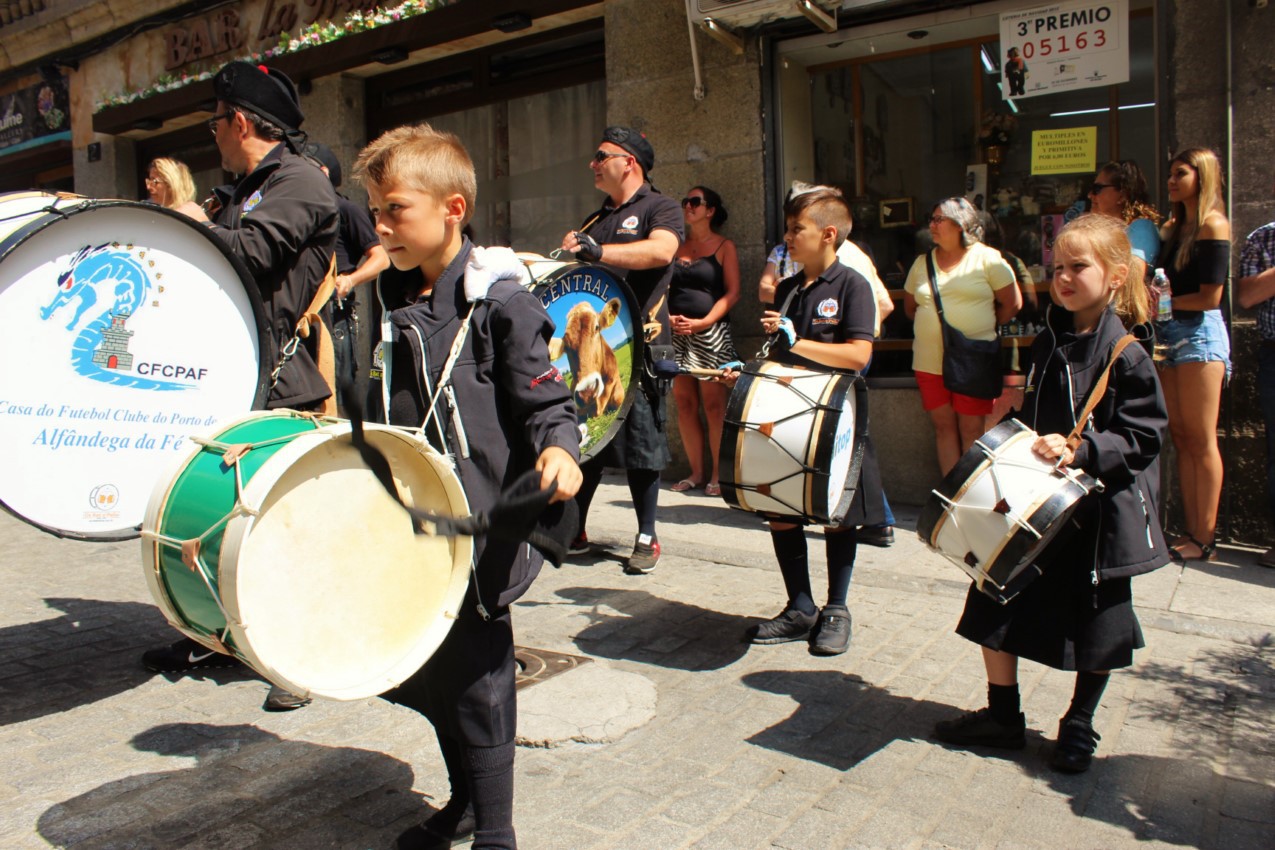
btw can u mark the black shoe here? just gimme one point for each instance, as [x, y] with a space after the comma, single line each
[645, 556]
[580, 545]
[186, 655]
[441, 831]
[877, 535]
[832, 636]
[790, 625]
[979, 728]
[280, 700]
[1076, 744]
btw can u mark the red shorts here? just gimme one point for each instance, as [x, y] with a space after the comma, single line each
[934, 395]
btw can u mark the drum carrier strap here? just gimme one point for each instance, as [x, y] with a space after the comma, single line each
[1096, 394]
[308, 321]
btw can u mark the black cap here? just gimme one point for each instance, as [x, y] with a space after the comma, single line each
[322, 153]
[633, 142]
[265, 91]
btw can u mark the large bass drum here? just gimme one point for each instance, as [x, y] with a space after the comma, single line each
[128, 327]
[597, 346]
[272, 541]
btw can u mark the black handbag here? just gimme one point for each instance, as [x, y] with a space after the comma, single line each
[971, 367]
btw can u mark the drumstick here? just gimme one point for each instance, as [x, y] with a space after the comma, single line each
[701, 373]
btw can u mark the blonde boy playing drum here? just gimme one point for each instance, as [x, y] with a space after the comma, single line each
[826, 321]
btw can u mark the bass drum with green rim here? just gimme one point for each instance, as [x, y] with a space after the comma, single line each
[273, 542]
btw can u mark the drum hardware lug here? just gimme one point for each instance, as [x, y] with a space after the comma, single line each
[190, 553]
[785, 380]
[971, 559]
[763, 489]
[232, 454]
[766, 429]
[1002, 507]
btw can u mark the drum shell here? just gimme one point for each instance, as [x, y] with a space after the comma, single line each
[328, 589]
[789, 448]
[1015, 558]
[43, 240]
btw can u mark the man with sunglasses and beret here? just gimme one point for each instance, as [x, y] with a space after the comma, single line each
[281, 219]
[635, 233]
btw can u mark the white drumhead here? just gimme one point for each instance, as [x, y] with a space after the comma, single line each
[842, 448]
[334, 593]
[127, 328]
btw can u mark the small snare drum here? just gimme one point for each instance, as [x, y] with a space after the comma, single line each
[999, 508]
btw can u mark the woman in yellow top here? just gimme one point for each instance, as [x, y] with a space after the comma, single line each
[979, 294]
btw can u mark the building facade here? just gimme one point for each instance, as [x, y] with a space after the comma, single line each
[899, 102]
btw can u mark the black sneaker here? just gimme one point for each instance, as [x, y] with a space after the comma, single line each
[282, 700]
[441, 831]
[1076, 744]
[979, 728]
[877, 535]
[832, 636]
[646, 554]
[790, 625]
[186, 655]
[580, 545]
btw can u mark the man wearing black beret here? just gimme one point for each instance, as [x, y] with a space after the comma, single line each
[637, 232]
[281, 219]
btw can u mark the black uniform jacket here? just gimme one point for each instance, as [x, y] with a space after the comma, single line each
[1121, 444]
[282, 221]
[507, 402]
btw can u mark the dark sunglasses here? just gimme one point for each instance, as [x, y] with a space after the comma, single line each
[1096, 188]
[212, 122]
[693, 203]
[602, 156]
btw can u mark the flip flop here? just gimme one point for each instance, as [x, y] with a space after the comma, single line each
[712, 489]
[684, 485]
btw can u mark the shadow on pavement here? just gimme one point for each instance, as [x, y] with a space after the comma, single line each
[91, 652]
[249, 788]
[1236, 565]
[638, 626]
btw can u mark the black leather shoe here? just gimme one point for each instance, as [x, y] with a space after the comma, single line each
[1076, 744]
[877, 535]
[980, 728]
[441, 831]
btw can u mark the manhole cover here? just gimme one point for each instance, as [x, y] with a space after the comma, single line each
[537, 665]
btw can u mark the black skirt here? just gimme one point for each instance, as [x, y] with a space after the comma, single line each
[641, 442]
[1061, 620]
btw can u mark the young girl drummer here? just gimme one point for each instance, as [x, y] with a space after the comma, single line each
[1079, 614]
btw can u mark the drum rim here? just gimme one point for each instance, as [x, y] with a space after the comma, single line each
[50, 216]
[639, 344]
[257, 490]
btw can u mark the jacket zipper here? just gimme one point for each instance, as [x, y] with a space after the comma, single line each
[1146, 515]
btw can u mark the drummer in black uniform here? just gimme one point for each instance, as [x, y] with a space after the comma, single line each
[637, 232]
[826, 320]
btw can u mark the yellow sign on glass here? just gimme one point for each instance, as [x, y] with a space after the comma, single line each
[1070, 151]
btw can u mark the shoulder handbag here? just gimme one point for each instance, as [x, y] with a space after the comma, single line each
[971, 367]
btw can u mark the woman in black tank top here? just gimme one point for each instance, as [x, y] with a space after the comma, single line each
[704, 288]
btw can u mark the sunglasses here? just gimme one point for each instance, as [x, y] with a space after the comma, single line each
[212, 122]
[1096, 188]
[602, 156]
[693, 203]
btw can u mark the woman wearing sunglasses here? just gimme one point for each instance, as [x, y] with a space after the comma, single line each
[1120, 192]
[705, 287]
[169, 184]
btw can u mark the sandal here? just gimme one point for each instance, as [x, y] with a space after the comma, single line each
[684, 485]
[1207, 551]
[712, 489]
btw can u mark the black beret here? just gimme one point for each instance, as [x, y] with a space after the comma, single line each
[265, 91]
[633, 142]
[322, 153]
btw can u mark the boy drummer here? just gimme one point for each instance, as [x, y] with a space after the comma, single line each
[825, 321]
[518, 413]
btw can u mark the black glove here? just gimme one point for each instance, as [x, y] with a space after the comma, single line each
[589, 251]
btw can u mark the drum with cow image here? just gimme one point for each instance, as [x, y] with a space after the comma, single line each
[597, 344]
[130, 327]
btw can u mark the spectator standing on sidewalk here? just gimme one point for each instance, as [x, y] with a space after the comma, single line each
[1257, 289]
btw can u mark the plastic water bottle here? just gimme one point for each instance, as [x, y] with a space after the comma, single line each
[1164, 309]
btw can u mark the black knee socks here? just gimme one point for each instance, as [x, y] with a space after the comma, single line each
[1088, 693]
[491, 783]
[841, 548]
[445, 820]
[644, 488]
[790, 551]
[588, 486]
[1003, 701]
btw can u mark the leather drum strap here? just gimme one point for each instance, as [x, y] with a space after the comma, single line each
[311, 320]
[1095, 395]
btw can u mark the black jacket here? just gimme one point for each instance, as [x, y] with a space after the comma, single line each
[1119, 530]
[508, 402]
[282, 221]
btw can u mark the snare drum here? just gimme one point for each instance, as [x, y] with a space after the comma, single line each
[597, 345]
[999, 507]
[793, 442]
[273, 542]
[128, 326]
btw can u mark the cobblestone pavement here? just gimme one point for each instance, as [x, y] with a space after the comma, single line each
[748, 746]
